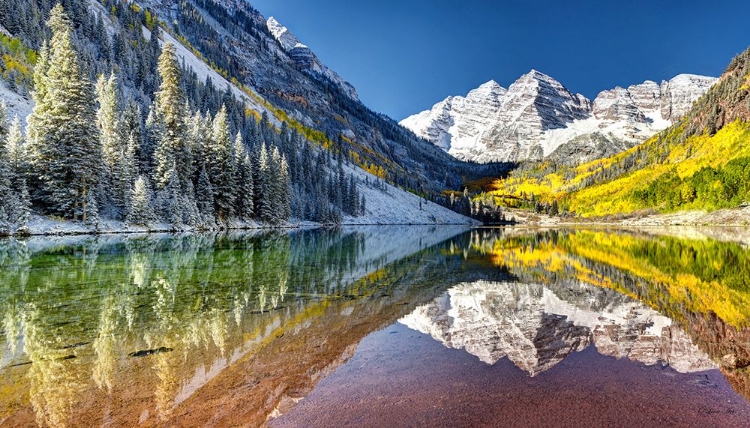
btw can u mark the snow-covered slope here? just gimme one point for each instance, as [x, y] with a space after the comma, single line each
[538, 117]
[536, 327]
[16, 104]
[387, 204]
[305, 58]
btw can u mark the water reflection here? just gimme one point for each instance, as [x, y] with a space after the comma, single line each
[207, 329]
[126, 329]
[536, 326]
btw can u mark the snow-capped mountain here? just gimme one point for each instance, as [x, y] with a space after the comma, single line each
[536, 326]
[305, 59]
[537, 117]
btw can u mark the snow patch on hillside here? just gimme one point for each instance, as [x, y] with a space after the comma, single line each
[16, 104]
[396, 206]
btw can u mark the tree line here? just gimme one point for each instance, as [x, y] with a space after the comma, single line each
[91, 151]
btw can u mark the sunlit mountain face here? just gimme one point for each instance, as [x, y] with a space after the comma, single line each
[202, 330]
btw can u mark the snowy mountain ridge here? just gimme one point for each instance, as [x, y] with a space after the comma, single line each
[537, 117]
[305, 59]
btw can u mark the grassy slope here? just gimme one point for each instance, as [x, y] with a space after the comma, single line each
[703, 162]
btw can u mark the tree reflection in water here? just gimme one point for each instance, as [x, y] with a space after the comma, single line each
[200, 328]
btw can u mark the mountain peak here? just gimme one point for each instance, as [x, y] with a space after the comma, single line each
[537, 115]
[490, 92]
[537, 75]
[305, 59]
[288, 40]
[492, 84]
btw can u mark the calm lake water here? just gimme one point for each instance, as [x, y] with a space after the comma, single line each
[382, 326]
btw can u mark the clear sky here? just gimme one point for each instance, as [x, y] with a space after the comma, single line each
[405, 55]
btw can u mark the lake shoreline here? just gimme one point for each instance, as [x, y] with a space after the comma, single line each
[45, 226]
[734, 217]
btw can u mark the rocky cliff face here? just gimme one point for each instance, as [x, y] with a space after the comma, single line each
[536, 327]
[305, 59]
[537, 116]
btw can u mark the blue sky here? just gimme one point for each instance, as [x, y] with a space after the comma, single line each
[405, 55]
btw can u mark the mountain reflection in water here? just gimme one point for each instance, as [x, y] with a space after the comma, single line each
[233, 330]
[537, 327]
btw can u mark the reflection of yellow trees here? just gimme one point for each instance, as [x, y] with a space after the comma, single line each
[684, 288]
[11, 328]
[589, 255]
[56, 381]
[105, 364]
[166, 365]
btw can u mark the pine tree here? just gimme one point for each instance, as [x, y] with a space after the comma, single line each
[243, 180]
[141, 210]
[108, 119]
[171, 201]
[285, 196]
[16, 155]
[6, 196]
[16, 147]
[276, 186]
[62, 127]
[38, 116]
[265, 208]
[170, 113]
[245, 206]
[199, 135]
[221, 166]
[204, 197]
[151, 139]
[118, 152]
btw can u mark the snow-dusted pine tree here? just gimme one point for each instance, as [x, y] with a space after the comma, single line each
[62, 127]
[141, 210]
[170, 114]
[204, 197]
[16, 154]
[171, 199]
[245, 208]
[6, 196]
[243, 179]
[117, 174]
[153, 132]
[220, 166]
[285, 195]
[265, 187]
[16, 146]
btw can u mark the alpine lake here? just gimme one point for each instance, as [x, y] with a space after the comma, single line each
[378, 327]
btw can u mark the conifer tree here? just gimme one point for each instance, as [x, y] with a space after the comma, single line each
[118, 152]
[285, 196]
[6, 196]
[21, 201]
[204, 197]
[141, 210]
[171, 199]
[108, 119]
[153, 132]
[245, 207]
[172, 150]
[62, 128]
[264, 208]
[221, 167]
[243, 180]
[16, 147]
